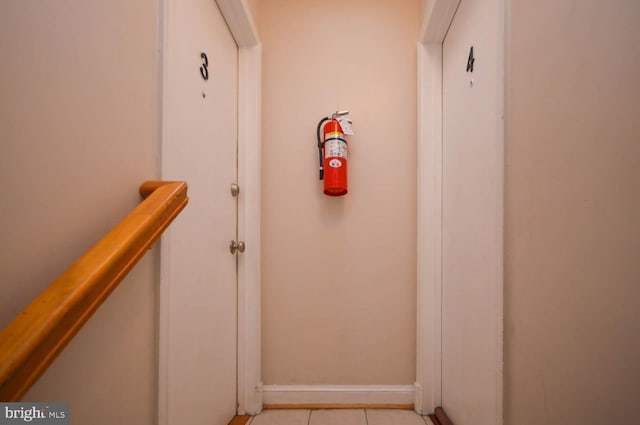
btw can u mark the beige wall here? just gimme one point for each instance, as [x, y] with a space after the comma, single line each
[78, 134]
[253, 9]
[424, 4]
[339, 274]
[572, 322]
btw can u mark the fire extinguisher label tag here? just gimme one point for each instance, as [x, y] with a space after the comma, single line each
[346, 126]
[335, 163]
[335, 148]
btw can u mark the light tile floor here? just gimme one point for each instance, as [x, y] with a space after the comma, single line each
[340, 417]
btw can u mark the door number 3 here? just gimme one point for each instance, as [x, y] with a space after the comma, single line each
[203, 69]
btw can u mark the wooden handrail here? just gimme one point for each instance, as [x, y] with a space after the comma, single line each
[30, 343]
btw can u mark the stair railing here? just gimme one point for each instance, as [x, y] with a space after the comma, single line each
[30, 343]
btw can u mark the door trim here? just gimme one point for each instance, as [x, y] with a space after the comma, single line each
[435, 23]
[249, 158]
[241, 25]
[245, 33]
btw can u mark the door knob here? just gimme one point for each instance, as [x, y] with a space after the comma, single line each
[235, 189]
[236, 246]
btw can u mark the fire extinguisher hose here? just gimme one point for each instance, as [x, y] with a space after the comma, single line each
[320, 145]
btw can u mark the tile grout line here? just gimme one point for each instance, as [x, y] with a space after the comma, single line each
[366, 417]
[309, 418]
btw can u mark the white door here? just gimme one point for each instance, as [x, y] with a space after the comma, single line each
[198, 298]
[472, 214]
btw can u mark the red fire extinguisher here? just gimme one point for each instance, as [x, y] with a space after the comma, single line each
[332, 151]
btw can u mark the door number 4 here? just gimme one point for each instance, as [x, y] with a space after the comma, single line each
[470, 60]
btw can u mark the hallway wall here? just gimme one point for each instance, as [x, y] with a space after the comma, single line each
[339, 274]
[572, 247]
[78, 131]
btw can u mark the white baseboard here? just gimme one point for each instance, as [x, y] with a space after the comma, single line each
[418, 399]
[338, 394]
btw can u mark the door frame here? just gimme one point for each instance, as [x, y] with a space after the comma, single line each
[241, 25]
[436, 21]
